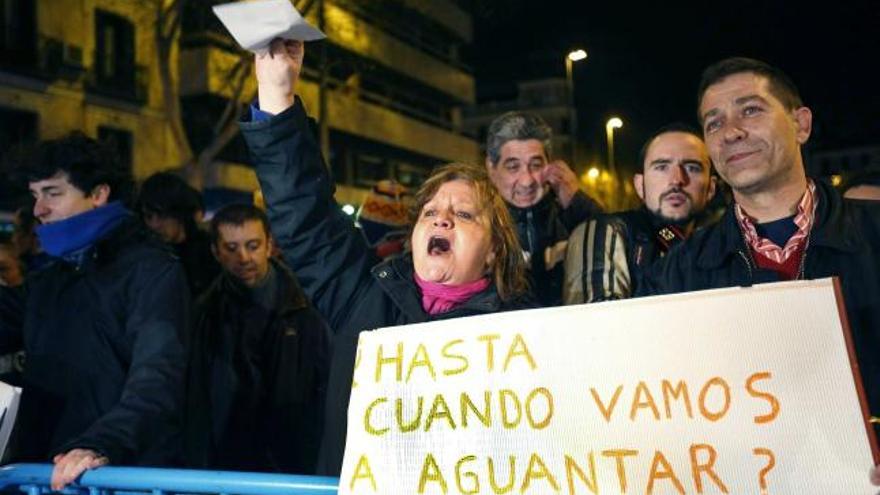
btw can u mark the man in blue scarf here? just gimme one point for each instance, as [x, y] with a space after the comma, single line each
[101, 324]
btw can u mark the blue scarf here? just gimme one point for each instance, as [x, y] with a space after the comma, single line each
[72, 236]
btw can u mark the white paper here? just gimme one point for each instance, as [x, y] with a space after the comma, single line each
[254, 24]
[9, 398]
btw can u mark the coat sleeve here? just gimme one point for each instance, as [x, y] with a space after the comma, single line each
[319, 242]
[581, 209]
[596, 267]
[149, 409]
[664, 276]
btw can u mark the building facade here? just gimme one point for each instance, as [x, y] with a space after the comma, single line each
[394, 84]
[83, 65]
[549, 98]
[391, 68]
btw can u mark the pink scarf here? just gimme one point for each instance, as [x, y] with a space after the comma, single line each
[439, 298]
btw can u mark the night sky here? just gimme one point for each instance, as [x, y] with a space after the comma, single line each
[645, 59]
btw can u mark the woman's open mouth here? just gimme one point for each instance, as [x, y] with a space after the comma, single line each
[438, 245]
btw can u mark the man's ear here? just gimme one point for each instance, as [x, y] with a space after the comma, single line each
[100, 195]
[803, 117]
[270, 245]
[639, 185]
[214, 250]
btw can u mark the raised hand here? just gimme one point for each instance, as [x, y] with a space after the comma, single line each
[278, 72]
[562, 180]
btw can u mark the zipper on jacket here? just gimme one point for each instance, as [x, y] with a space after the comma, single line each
[748, 263]
[529, 227]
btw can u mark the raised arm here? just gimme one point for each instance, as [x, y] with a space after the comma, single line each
[318, 240]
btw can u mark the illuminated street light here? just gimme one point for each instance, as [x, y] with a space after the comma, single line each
[572, 57]
[613, 123]
[593, 173]
[577, 55]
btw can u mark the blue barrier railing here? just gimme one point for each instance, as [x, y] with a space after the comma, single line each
[34, 479]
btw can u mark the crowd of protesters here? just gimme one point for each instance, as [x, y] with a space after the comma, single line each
[149, 340]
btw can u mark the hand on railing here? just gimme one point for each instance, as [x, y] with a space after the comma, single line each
[70, 465]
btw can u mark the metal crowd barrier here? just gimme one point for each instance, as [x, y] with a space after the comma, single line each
[34, 479]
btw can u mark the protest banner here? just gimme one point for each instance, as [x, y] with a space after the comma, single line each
[742, 390]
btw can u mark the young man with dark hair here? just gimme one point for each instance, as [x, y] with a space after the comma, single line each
[607, 256]
[101, 324]
[783, 225]
[171, 208]
[258, 361]
[543, 196]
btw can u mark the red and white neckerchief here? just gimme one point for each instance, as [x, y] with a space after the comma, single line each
[806, 213]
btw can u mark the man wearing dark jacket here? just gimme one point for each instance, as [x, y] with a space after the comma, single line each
[608, 255]
[101, 325]
[542, 195]
[259, 358]
[783, 225]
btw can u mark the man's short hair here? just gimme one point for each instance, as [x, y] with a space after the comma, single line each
[237, 215]
[673, 127]
[168, 195]
[87, 163]
[781, 86]
[516, 126]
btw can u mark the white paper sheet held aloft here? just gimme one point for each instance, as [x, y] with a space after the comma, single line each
[254, 24]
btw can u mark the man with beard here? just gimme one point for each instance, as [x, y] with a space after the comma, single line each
[606, 256]
[783, 225]
[542, 196]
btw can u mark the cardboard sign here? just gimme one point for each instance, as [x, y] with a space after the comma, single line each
[743, 390]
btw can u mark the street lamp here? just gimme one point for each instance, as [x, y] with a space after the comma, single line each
[572, 57]
[613, 123]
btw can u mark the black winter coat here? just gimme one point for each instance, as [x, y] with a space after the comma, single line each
[104, 356]
[256, 381]
[543, 231]
[844, 242]
[332, 262]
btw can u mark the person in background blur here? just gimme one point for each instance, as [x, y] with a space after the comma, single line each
[172, 208]
[26, 242]
[11, 275]
[11, 268]
[383, 218]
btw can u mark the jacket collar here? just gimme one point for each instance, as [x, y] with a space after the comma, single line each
[395, 277]
[290, 295]
[832, 228]
[544, 204]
